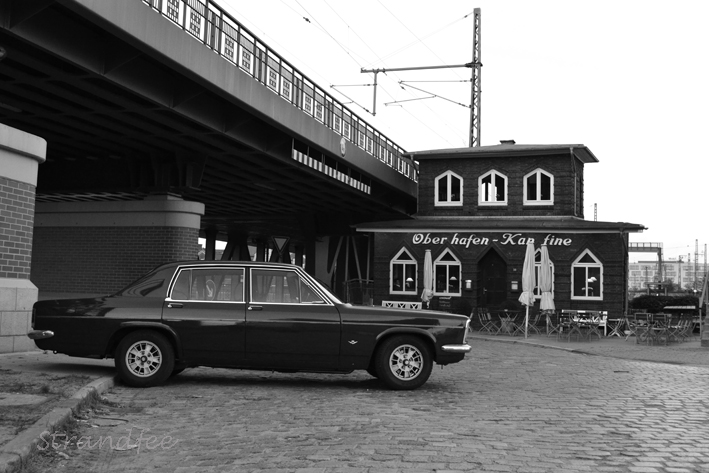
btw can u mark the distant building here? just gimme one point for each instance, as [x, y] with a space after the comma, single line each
[682, 273]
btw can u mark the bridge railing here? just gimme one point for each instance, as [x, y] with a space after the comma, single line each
[218, 30]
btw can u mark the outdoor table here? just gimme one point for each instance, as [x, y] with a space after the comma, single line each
[590, 323]
[507, 321]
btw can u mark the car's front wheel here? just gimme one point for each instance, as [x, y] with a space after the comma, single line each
[404, 362]
[144, 358]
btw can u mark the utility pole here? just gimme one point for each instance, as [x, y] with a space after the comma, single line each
[476, 92]
[475, 65]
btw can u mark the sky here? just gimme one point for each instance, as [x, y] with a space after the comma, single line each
[626, 78]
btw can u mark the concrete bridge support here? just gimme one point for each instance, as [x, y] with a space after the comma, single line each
[20, 156]
[96, 248]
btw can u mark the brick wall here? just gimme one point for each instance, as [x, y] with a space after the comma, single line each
[105, 259]
[16, 223]
[608, 248]
[568, 185]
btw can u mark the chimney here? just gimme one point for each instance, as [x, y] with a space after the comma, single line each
[507, 142]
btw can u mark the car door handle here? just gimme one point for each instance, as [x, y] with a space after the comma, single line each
[255, 307]
[174, 305]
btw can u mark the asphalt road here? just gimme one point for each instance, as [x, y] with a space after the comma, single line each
[506, 408]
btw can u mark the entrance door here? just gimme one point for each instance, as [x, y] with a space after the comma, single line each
[492, 280]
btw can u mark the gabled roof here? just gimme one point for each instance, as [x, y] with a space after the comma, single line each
[580, 152]
[498, 224]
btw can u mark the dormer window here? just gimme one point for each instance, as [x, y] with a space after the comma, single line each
[538, 188]
[492, 189]
[449, 190]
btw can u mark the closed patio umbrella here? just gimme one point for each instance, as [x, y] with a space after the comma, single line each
[545, 276]
[528, 283]
[427, 278]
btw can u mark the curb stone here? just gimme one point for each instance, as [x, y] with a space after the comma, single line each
[14, 454]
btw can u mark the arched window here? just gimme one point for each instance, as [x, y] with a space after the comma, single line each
[449, 190]
[587, 277]
[402, 273]
[492, 189]
[538, 188]
[446, 274]
[537, 267]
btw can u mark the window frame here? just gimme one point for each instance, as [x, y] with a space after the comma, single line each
[538, 201]
[448, 175]
[493, 173]
[193, 274]
[278, 288]
[437, 262]
[412, 262]
[596, 265]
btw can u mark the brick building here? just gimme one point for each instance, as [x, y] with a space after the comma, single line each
[478, 207]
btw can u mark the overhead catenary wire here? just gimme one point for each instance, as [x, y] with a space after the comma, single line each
[388, 93]
[308, 17]
[437, 96]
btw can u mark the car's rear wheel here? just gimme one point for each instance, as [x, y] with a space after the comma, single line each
[144, 358]
[404, 362]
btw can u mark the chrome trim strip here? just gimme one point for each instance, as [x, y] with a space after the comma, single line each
[464, 348]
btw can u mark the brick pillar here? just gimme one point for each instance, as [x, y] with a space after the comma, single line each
[20, 156]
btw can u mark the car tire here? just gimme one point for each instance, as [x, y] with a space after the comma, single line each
[144, 358]
[404, 362]
[373, 372]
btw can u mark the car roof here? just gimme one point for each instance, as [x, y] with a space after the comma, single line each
[227, 263]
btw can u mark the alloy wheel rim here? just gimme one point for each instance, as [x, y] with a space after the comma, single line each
[406, 362]
[143, 359]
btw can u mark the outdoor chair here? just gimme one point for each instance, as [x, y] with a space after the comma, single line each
[674, 328]
[569, 327]
[630, 324]
[641, 327]
[686, 330]
[616, 326]
[553, 326]
[533, 327]
[487, 324]
[519, 324]
[658, 330]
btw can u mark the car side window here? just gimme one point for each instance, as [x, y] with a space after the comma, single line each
[209, 284]
[280, 287]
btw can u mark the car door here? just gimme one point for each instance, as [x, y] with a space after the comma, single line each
[206, 308]
[289, 325]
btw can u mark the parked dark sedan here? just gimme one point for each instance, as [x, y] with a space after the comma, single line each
[246, 315]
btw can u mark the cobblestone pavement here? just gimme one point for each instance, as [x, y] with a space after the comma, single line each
[506, 408]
